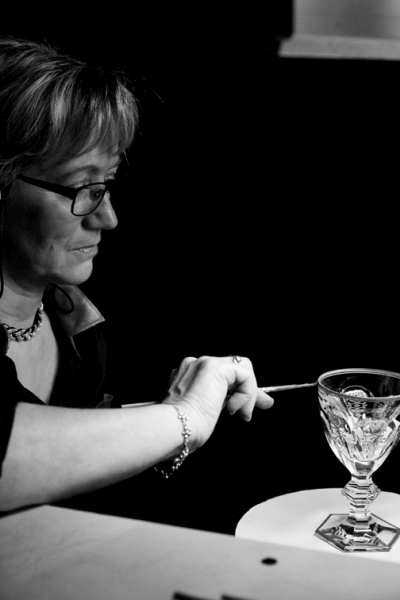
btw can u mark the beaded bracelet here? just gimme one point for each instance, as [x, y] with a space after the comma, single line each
[184, 453]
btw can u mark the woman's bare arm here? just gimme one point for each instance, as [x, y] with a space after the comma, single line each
[55, 452]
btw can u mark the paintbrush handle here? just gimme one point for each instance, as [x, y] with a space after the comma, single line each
[283, 388]
[272, 388]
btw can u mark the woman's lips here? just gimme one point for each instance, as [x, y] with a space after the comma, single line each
[86, 250]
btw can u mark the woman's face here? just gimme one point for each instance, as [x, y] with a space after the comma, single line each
[43, 242]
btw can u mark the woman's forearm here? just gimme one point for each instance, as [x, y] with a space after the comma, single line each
[56, 453]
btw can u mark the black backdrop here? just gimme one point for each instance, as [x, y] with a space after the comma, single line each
[262, 221]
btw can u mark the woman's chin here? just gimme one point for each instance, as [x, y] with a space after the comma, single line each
[75, 276]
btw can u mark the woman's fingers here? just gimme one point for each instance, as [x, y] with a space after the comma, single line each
[242, 394]
[178, 374]
[244, 409]
[172, 377]
[245, 395]
[207, 384]
[264, 401]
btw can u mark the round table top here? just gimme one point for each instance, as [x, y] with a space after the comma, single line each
[292, 519]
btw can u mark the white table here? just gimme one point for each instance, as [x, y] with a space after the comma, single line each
[291, 519]
[51, 553]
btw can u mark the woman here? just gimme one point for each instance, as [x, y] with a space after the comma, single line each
[65, 127]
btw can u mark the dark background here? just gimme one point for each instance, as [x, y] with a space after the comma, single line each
[262, 221]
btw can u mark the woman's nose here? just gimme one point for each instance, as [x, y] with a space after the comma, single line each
[104, 216]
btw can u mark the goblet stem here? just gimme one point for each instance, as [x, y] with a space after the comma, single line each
[361, 492]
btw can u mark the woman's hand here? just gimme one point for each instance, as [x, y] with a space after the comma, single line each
[201, 386]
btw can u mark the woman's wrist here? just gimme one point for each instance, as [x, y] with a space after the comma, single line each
[178, 460]
[195, 440]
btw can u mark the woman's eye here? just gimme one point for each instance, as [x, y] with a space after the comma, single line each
[96, 193]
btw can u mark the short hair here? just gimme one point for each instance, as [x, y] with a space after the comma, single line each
[54, 107]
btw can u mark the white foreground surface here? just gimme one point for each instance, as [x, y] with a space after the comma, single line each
[51, 553]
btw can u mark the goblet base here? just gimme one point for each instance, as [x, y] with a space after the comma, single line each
[346, 534]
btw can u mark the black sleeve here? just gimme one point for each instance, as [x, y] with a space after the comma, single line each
[9, 396]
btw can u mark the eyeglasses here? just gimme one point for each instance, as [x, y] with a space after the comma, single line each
[85, 199]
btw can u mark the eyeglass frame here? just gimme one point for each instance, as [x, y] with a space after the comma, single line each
[70, 192]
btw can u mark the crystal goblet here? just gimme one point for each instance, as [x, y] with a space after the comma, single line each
[359, 410]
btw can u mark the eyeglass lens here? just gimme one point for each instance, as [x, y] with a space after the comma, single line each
[89, 198]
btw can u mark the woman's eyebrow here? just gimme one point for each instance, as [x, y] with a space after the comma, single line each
[90, 168]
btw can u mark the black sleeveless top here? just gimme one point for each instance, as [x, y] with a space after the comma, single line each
[82, 363]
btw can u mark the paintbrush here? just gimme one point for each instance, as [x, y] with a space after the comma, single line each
[284, 388]
[267, 390]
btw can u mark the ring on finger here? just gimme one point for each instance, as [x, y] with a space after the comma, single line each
[236, 359]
